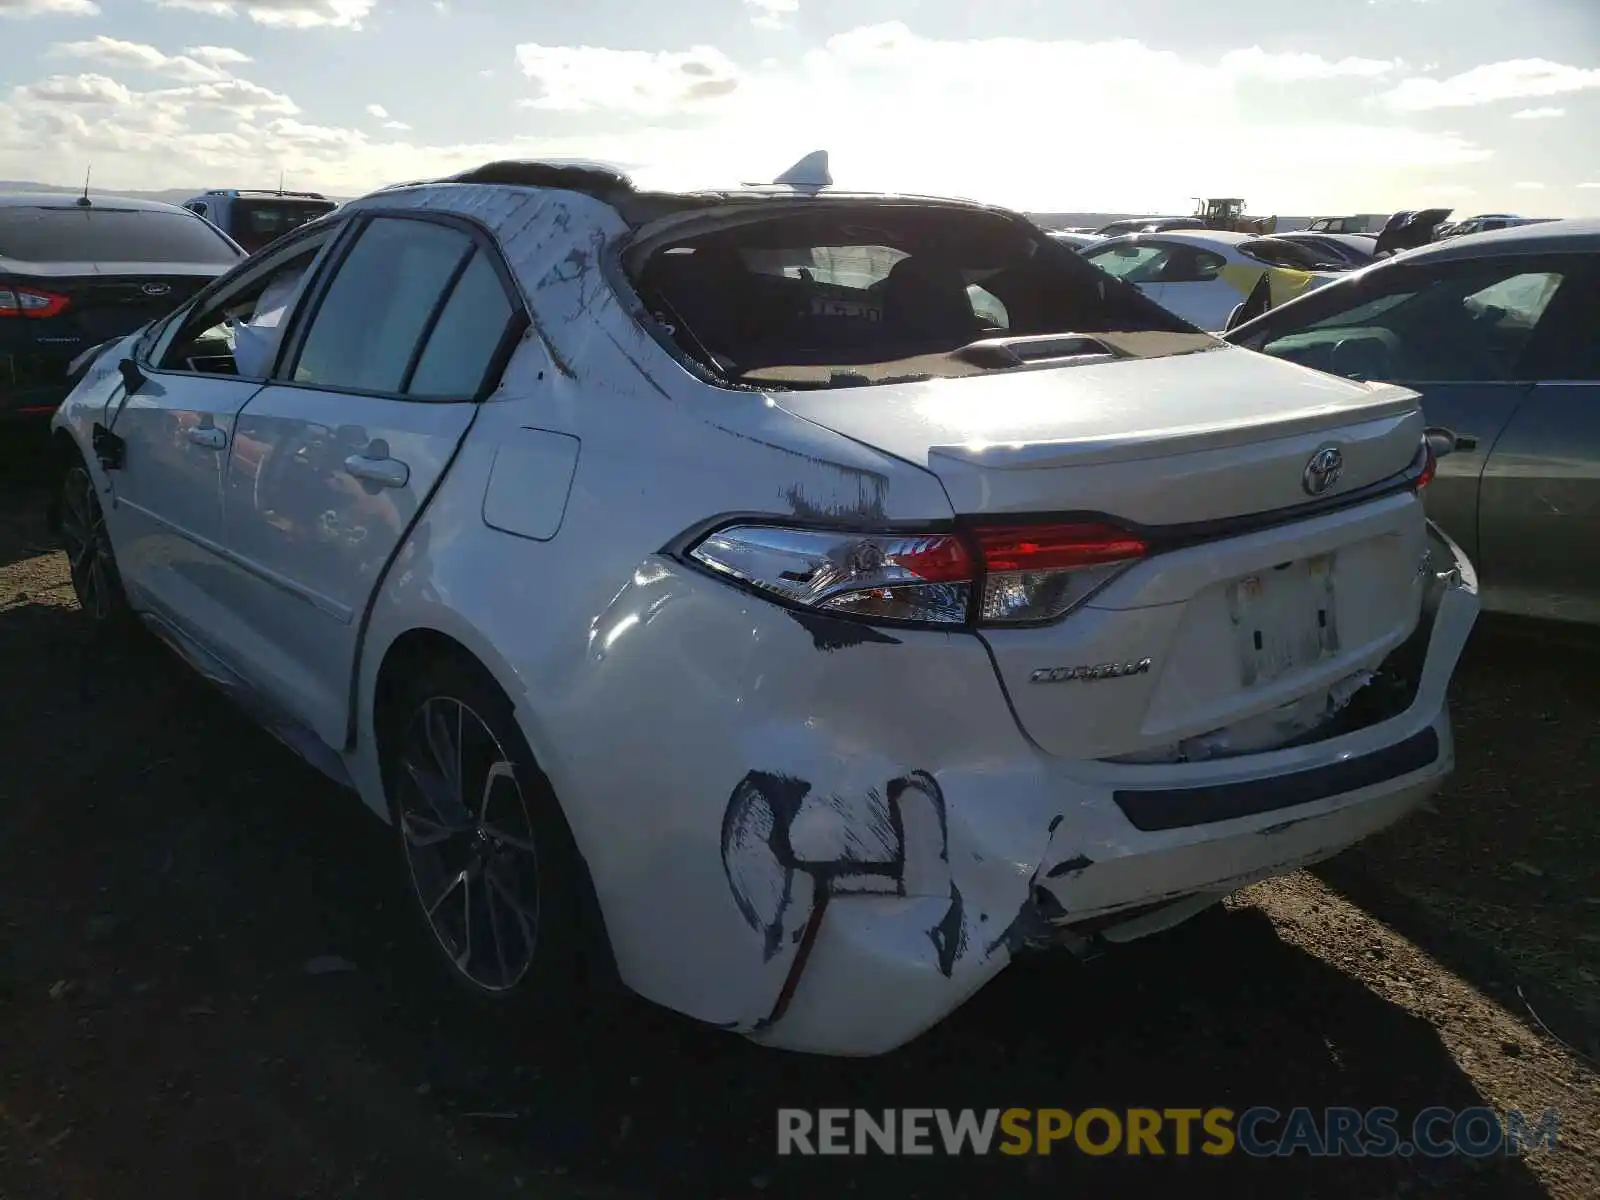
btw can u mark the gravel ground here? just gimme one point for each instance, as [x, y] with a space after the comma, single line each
[205, 988]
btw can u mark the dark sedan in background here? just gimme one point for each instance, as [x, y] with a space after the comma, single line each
[76, 272]
[1500, 333]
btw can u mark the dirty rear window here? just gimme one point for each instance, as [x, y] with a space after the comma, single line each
[845, 296]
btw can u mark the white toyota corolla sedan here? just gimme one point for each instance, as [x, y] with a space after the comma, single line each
[803, 602]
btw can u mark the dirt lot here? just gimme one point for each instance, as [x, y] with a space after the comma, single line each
[174, 888]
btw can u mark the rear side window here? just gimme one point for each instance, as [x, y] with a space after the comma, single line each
[100, 235]
[382, 298]
[462, 346]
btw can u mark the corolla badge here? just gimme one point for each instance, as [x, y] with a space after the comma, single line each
[1323, 470]
[1088, 674]
[156, 289]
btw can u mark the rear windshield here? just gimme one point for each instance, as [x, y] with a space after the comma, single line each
[850, 296]
[264, 220]
[71, 235]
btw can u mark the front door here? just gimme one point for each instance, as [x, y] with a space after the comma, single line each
[334, 462]
[177, 427]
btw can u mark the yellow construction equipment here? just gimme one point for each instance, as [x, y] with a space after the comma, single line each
[1228, 214]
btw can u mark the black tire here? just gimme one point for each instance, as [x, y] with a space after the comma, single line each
[511, 865]
[96, 581]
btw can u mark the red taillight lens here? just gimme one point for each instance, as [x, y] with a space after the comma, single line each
[1040, 572]
[26, 302]
[1056, 547]
[1430, 466]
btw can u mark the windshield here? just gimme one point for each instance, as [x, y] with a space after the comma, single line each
[257, 222]
[849, 296]
[87, 235]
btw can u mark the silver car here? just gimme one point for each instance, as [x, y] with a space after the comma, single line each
[1498, 332]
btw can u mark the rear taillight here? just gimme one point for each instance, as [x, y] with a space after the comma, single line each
[1039, 572]
[25, 302]
[993, 575]
[1430, 465]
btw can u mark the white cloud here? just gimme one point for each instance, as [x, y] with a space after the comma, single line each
[694, 117]
[283, 14]
[771, 14]
[1529, 187]
[395, 125]
[1590, 185]
[587, 78]
[75, 89]
[377, 110]
[1514, 79]
[1538, 114]
[115, 53]
[1289, 68]
[219, 56]
[57, 8]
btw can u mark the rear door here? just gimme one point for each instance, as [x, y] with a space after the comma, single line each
[1540, 510]
[336, 459]
[177, 427]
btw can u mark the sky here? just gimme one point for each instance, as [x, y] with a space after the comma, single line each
[1302, 107]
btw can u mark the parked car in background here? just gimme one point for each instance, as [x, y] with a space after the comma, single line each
[76, 271]
[1344, 249]
[1497, 332]
[1074, 241]
[1409, 229]
[1203, 275]
[256, 219]
[700, 584]
[1485, 223]
[1148, 225]
[1357, 224]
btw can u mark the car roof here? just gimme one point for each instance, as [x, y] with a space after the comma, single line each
[73, 199]
[1580, 236]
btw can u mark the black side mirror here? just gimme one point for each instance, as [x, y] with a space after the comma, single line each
[1444, 441]
[132, 378]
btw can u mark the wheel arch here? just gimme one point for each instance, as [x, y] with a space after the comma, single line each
[63, 453]
[406, 653]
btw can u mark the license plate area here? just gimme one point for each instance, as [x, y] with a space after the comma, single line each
[1284, 618]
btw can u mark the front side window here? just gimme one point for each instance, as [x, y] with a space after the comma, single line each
[98, 235]
[383, 297]
[1457, 323]
[237, 329]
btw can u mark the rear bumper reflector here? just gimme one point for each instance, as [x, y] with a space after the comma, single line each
[1152, 810]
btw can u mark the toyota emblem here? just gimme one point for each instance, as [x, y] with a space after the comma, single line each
[1323, 470]
[155, 289]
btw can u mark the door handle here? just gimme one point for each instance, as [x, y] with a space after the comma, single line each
[386, 472]
[208, 436]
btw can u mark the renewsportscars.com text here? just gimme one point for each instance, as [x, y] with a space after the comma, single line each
[1258, 1132]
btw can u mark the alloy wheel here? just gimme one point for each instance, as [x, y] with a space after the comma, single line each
[469, 843]
[92, 564]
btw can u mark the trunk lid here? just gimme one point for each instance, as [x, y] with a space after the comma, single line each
[104, 300]
[1151, 441]
[1263, 601]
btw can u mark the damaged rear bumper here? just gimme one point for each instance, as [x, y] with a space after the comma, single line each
[1028, 853]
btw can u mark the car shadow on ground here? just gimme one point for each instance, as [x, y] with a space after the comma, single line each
[1497, 880]
[208, 977]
